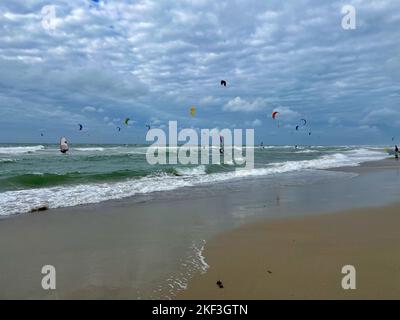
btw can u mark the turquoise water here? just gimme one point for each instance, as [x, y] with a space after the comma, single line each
[32, 175]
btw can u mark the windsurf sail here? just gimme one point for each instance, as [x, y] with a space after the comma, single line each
[64, 145]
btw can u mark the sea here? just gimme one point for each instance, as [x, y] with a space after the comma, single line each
[33, 175]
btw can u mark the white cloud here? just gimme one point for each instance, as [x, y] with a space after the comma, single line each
[254, 123]
[89, 109]
[287, 113]
[209, 100]
[92, 109]
[382, 116]
[368, 129]
[240, 105]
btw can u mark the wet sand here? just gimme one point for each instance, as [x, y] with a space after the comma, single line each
[302, 257]
[365, 167]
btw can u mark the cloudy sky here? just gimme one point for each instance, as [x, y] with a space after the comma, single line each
[97, 64]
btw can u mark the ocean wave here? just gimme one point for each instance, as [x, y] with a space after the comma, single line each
[89, 149]
[21, 150]
[13, 202]
[44, 179]
[20, 201]
[306, 151]
[346, 158]
[7, 160]
[191, 171]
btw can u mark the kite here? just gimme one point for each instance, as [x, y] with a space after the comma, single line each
[127, 121]
[223, 83]
[303, 124]
[192, 111]
[274, 115]
[95, 3]
[80, 127]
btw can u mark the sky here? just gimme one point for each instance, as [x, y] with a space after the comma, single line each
[98, 63]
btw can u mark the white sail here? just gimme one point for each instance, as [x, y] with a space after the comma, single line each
[64, 145]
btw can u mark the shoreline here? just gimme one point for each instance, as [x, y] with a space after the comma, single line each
[302, 258]
[150, 247]
[155, 195]
[23, 192]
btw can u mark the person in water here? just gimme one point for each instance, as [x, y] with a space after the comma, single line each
[396, 152]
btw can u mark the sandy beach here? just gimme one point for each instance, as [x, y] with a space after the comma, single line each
[155, 246]
[302, 258]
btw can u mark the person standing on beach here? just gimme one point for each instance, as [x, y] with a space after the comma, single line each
[396, 152]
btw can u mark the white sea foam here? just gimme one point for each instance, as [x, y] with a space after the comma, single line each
[20, 150]
[307, 151]
[192, 171]
[202, 263]
[193, 263]
[13, 202]
[89, 149]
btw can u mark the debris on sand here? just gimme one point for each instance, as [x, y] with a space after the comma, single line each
[42, 207]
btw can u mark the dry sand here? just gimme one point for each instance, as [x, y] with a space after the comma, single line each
[302, 258]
